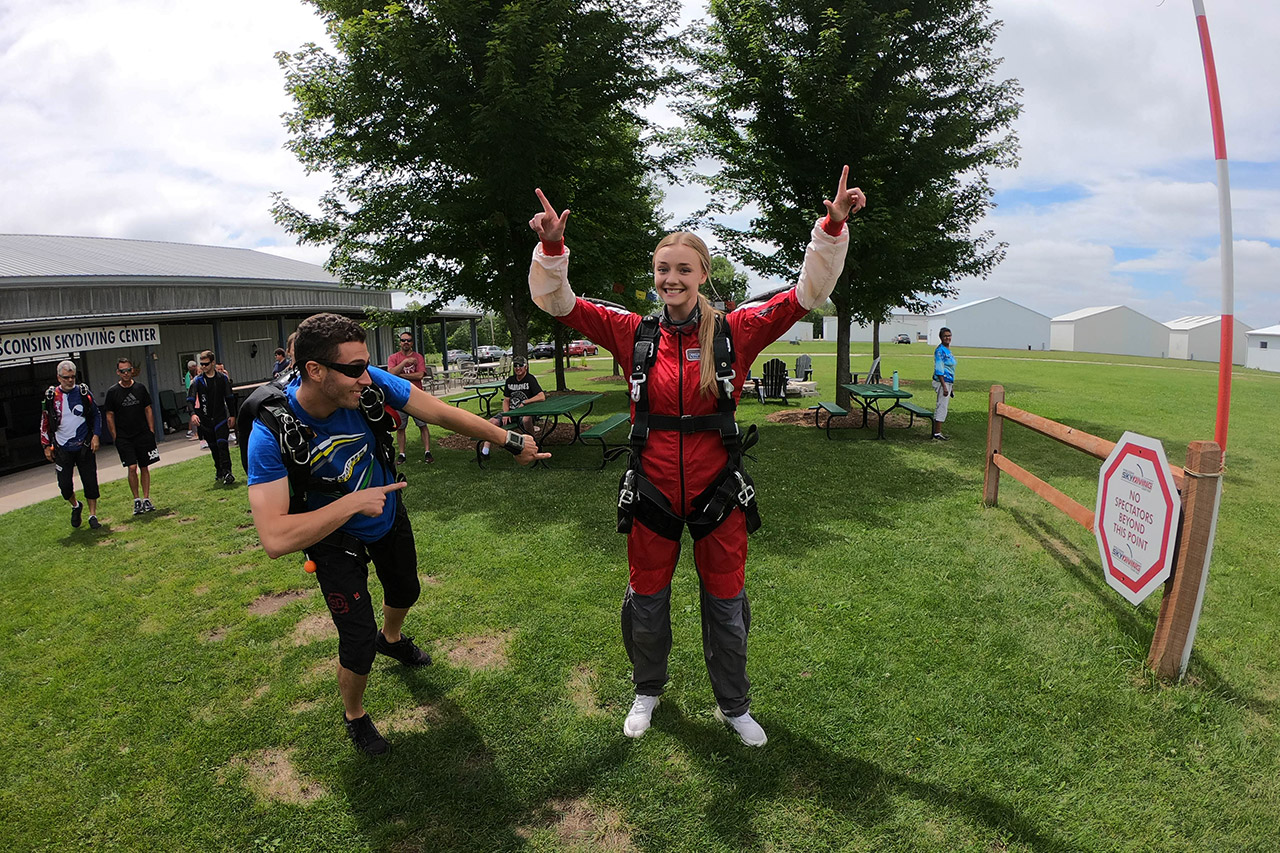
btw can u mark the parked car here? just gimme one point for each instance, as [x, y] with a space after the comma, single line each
[902, 339]
[489, 353]
[546, 349]
[580, 348]
[457, 355]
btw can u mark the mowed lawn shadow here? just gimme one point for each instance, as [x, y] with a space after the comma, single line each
[861, 791]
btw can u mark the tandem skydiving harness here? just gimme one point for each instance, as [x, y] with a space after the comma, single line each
[270, 404]
[640, 498]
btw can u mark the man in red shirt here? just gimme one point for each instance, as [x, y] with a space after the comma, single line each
[409, 365]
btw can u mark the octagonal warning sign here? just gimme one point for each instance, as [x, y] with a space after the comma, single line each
[1136, 519]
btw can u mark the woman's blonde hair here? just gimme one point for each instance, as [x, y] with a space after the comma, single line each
[707, 323]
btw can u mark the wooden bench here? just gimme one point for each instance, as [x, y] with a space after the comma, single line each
[600, 431]
[832, 409]
[916, 410]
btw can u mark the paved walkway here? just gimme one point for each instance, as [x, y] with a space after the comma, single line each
[37, 484]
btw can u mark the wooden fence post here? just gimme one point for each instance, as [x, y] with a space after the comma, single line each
[1184, 591]
[995, 433]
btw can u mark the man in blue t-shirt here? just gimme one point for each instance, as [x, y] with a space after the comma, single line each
[353, 514]
[944, 380]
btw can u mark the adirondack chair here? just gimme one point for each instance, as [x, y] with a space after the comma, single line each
[773, 384]
[872, 375]
[172, 416]
[804, 368]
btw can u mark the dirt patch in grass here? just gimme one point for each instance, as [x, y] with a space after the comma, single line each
[804, 418]
[271, 775]
[242, 568]
[611, 380]
[188, 519]
[581, 827]
[262, 690]
[203, 589]
[215, 635]
[320, 670]
[487, 651]
[305, 706]
[273, 602]
[430, 580]
[151, 625]
[313, 627]
[582, 691]
[415, 719]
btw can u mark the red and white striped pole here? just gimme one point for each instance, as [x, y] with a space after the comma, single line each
[1224, 230]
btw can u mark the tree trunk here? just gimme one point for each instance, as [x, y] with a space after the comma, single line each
[516, 313]
[875, 339]
[844, 320]
[560, 336]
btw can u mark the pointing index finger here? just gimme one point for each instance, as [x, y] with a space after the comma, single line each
[546, 205]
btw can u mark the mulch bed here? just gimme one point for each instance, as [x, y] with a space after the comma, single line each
[803, 417]
[562, 434]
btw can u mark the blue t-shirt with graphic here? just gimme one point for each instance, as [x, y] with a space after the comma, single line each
[944, 364]
[343, 449]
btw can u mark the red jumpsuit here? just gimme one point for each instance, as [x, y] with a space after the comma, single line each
[681, 465]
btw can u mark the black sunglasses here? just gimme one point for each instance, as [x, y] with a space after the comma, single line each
[205, 363]
[406, 340]
[354, 370]
[123, 370]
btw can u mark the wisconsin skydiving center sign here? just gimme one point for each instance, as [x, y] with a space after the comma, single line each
[1136, 520]
[43, 345]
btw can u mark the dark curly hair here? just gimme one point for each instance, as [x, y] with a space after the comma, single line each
[320, 335]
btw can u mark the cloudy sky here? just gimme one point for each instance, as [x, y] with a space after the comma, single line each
[160, 119]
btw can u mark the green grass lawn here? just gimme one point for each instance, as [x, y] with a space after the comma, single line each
[933, 674]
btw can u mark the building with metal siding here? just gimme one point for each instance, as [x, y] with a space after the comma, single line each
[1114, 329]
[1200, 338]
[69, 297]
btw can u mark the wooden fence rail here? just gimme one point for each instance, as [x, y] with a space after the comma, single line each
[1200, 485]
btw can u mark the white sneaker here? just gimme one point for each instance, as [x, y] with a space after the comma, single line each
[137, 506]
[637, 722]
[745, 727]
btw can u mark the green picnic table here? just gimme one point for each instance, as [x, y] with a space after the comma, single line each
[870, 398]
[555, 408]
[482, 391]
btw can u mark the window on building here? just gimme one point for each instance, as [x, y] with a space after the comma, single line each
[1262, 344]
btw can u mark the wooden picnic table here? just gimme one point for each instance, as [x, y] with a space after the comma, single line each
[869, 397]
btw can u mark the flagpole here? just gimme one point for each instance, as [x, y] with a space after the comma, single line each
[1225, 348]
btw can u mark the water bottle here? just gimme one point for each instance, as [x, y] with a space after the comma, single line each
[895, 380]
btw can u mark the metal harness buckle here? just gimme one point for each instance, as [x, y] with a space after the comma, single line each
[637, 379]
[747, 493]
[293, 441]
[726, 380]
[627, 494]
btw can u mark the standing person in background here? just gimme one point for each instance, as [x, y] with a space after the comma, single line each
[131, 421]
[193, 370]
[412, 367]
[213, 414]
[281, 363]
[689, 364]
[944, 381]
[69, 428]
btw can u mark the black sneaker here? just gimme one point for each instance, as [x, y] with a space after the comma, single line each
[937, 436]
[364, 734]
[76, 512]
[404, 651]
[400, 457]
[229, 479]
[94, 524]
[429, 457]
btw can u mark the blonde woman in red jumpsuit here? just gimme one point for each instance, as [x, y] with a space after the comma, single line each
[682, 464]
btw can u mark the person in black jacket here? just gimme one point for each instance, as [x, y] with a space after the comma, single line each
[213, 414]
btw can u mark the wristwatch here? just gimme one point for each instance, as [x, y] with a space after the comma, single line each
[514, 443]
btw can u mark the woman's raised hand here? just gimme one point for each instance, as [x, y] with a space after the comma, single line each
[847, 201]
[548, 224]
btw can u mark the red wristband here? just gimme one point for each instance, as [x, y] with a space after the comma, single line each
[832, 228]
[553, 249]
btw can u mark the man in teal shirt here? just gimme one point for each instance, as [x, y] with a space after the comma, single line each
[944, 380]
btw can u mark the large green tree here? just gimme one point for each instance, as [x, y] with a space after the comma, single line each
[903, 91]
[437, 120]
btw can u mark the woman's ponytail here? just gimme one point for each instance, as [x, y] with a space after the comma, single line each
[706, 343]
